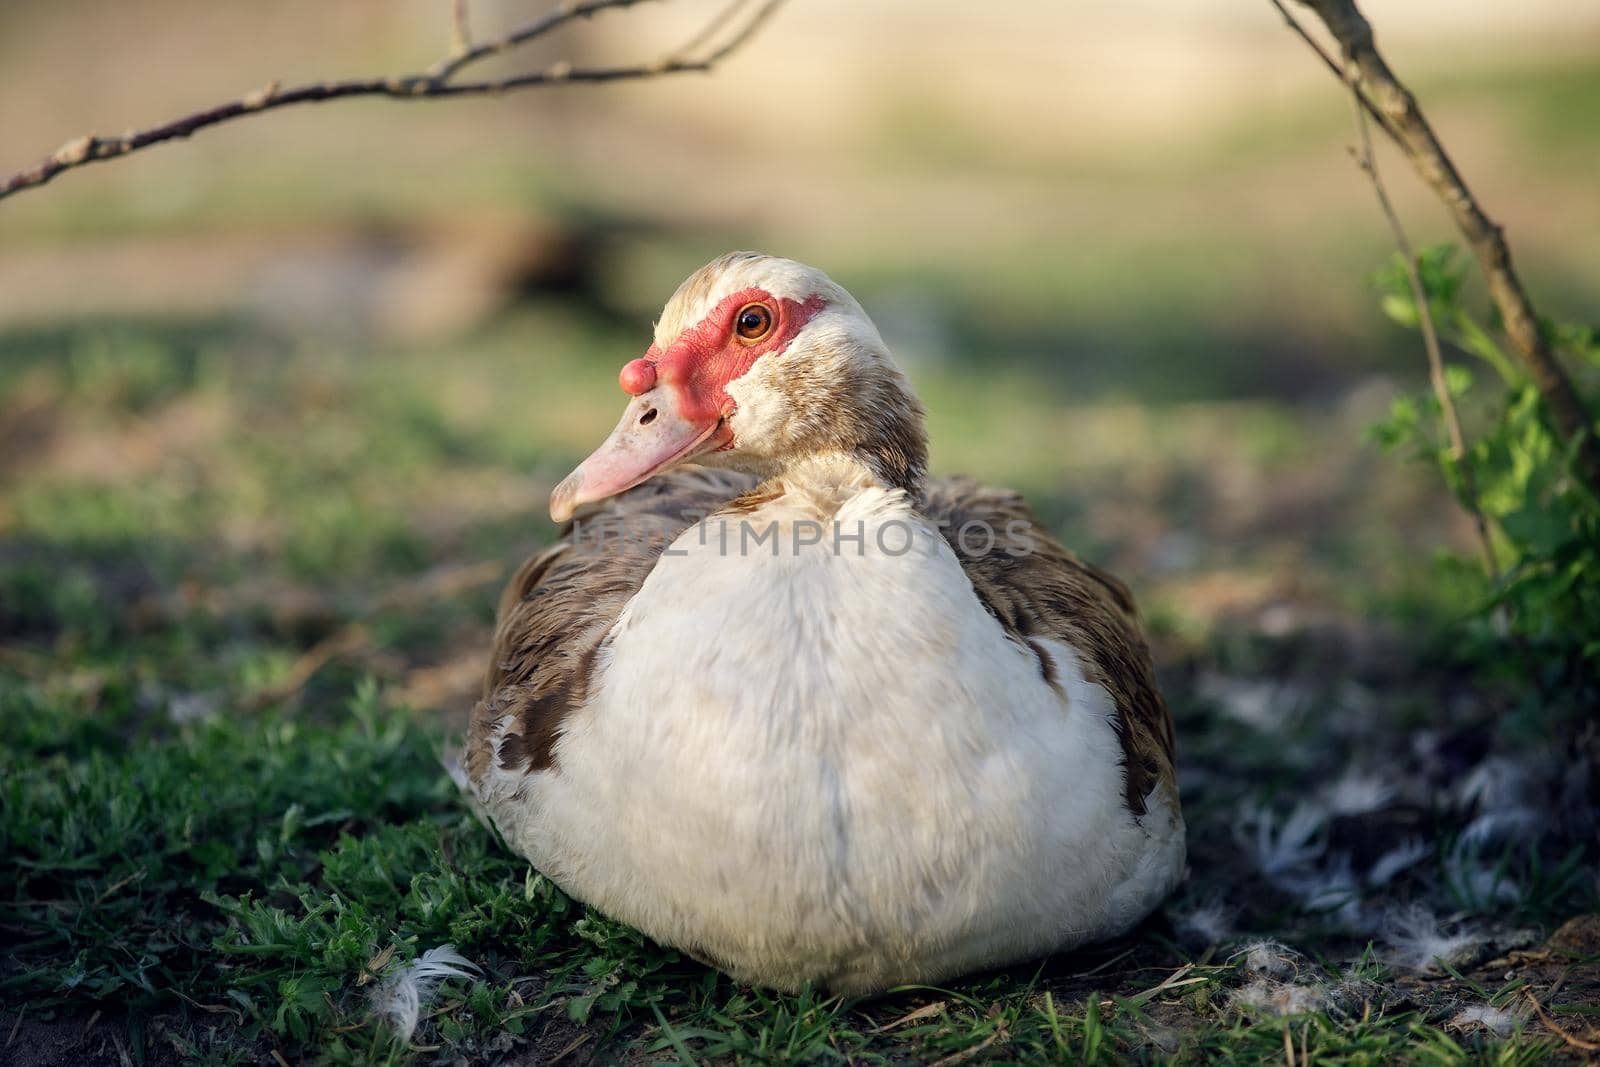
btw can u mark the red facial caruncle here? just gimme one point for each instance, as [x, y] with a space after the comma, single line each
[680, 395]
[707, 356]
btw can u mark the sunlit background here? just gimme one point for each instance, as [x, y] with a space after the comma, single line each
[1122, 248]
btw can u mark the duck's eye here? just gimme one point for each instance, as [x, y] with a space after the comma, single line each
[753, 322]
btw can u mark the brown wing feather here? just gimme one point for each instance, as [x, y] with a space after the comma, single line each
[1036, 588]
[557, 611]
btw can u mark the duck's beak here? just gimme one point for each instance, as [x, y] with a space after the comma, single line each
[651, 437]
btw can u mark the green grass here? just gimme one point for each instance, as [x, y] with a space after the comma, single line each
[234, 570]
[260, 872]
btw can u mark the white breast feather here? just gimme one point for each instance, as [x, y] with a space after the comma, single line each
[836, 767]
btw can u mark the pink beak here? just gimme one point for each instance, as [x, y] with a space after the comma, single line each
[651, 437]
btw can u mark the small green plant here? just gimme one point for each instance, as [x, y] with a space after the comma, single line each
[1538, 612]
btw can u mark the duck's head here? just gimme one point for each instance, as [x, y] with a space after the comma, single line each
[758, 363]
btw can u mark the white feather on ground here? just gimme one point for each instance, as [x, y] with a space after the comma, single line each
[1206, 923]
[1268, 706]
[1283, 982]
[1280, 848]
[1416, 941]
[1287, 853]
[1504, 824]
[1495, 784]
[1509, 799]
[1266, 997]
[402, 997]
[1330, 890]
[1496, 1020]
[1358, 793]
[1398, 859]
[1268, 958]
[1273, 988]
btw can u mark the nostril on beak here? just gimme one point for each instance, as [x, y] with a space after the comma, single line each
[648, 417]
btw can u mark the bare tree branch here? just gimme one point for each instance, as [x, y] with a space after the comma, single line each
[437, 82]
[468, 53]
[701, 39]
[1332, 64]
[1367, 160]
[1386, 96]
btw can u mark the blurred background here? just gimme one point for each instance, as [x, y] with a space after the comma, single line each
[275, 373]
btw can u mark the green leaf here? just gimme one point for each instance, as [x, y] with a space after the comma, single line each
[1457, 379]
[1401, 308]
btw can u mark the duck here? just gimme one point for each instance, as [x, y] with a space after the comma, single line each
[782, 701]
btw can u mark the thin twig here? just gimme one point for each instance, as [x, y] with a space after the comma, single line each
[972, 1051]
[432, 84]
[214, 1009]
[348, 638]
[1332, 64]
[699, 40]
[927, 1011]
[571, 1047]
[1402, 118]
[1176, 980]
[111, 890]
[447, 67]
[1554, 1027]
[742, 36]
[1367, 160]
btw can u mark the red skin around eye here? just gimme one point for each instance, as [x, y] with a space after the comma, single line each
[698, 366]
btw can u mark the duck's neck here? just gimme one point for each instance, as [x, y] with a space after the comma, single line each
[868, 425]
[876, 427]
[894, 446]
[831, 474]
